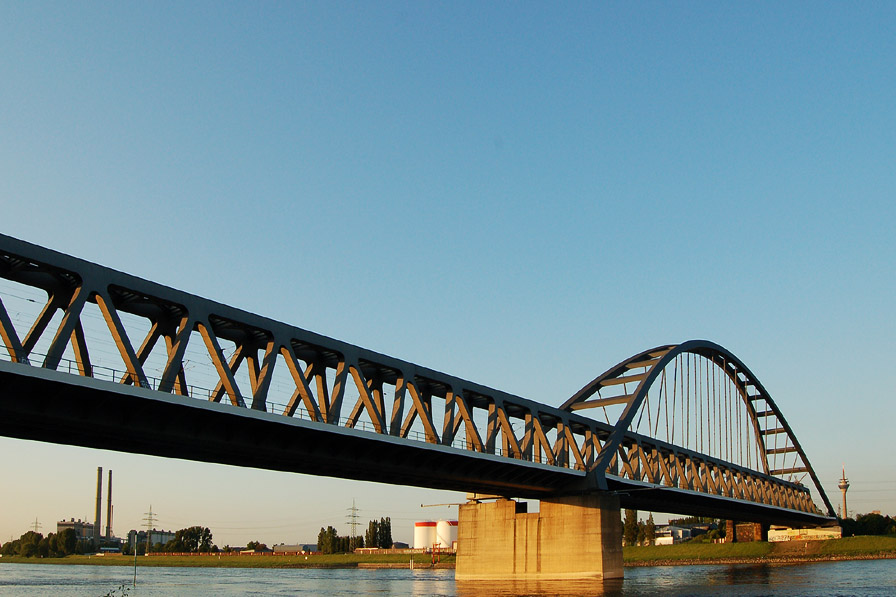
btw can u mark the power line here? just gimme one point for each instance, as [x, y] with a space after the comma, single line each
[150, 522]
[353, 518]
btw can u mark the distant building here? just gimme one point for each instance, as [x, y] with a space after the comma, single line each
[663, 536]
[83, 531]
[671, 533]
[294, 548]
[156, 536]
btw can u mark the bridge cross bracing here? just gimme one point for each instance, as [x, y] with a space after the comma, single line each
[686, 428]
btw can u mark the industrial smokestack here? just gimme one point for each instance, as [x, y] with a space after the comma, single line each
[109, 509]
[99, 507]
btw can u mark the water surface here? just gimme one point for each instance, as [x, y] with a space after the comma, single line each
[823, 579]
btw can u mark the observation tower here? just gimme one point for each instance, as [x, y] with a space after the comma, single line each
[844, 485]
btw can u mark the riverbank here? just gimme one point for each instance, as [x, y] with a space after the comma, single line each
[684, 554]
[248, 561]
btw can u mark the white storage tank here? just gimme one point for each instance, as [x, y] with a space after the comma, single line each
[424, 534]
[446, 533]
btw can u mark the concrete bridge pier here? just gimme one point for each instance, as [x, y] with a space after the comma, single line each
[573, 537]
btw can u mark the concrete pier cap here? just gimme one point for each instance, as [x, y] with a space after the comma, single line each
[570, 537]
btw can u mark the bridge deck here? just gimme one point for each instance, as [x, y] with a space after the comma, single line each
[353, 413]
[45, 405]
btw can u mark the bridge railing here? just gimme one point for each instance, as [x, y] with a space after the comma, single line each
[111, 374]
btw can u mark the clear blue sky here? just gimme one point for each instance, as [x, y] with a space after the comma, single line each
[521, 194]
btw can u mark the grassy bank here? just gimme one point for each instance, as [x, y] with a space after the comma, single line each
[695, 551]
[792, 551]
[865, 545]
[272, 561]
[684, 553]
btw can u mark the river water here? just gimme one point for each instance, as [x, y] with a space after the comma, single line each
[822, 579]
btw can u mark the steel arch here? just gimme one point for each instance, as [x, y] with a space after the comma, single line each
[654, 361]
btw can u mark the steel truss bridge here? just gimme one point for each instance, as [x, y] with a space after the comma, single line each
[98, 358]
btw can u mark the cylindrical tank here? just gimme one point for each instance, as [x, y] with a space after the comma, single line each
[446, 533]
[424, 534]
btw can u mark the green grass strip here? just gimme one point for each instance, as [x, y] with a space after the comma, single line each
[695, 551]
[272, 561]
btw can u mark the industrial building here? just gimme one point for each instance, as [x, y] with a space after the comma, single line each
[89, 534]
[83, 531]
[155, 536]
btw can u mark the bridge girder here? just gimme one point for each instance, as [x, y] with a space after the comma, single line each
[340, 389]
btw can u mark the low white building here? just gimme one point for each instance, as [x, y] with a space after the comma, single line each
[814, 534]
[670, 533]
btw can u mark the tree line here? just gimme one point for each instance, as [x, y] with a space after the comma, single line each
[195, 539]
[379, 534]
[636, 532]
[329, 541]
[868, 524]
[35, 545]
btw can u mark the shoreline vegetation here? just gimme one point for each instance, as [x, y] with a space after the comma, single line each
[684, 554]
[762, 552]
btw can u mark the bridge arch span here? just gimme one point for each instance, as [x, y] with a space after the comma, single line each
[698, 392]
[94, 357]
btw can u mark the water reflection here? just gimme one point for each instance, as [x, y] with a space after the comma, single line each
[874, 578]
[596, 588]
[640, 582]
[745, 574]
